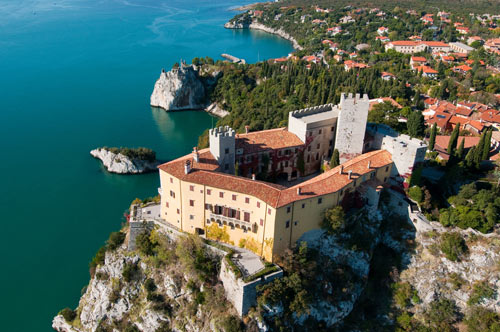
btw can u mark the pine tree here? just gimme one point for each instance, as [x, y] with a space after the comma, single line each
[487, 144]
[432, 139]
[415, 124]
[452, 144]
[460, 151]
[335, 161]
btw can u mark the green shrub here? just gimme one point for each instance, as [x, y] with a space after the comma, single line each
[97, 260]
[441, 315]
[132, 328]
[137, 153]
[129, 272]
[232, 324]
[144, 244]
[150, 285]
[115, 240]
[453, 246]
[416, 194]
[480, 319]
[334, 220]
[68, 314]
[481, 290]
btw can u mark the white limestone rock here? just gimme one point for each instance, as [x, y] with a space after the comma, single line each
[120, 164]
[179, 89]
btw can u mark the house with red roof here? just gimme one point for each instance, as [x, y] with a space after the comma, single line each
[383, 39]
[387, 76]
[427, 71]
[349, 64]
[312, 59]
[382, 31]
[463, 69]
[463, 30]
[441, 144]
[417, 61]
[334, 30]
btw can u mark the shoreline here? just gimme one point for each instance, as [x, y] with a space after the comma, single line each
[247, 7]
[264, 28]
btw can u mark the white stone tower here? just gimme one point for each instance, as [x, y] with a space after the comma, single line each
[351, 126]
[222, 147]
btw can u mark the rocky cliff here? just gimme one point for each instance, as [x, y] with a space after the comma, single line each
[122, 164]
[179, 89]
[244, 24]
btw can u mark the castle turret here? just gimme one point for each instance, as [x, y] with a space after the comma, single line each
[222, 147]
[351, 126]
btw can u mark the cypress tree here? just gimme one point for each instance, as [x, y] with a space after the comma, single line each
[452, 144]
[460, 152]
[469, 158]
[486, 146]
[480, 149]
[335, 161]
[432, 139]
[415, 124]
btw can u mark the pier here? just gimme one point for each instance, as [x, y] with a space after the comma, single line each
[233, 58]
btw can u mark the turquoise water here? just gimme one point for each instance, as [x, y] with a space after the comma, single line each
[75, 75]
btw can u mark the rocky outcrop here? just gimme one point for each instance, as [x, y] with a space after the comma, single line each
[121, 164]
[216, 110]
[434, 276]
[242, 24]
[179, 89]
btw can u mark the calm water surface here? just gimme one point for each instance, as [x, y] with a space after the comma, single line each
[75, 75]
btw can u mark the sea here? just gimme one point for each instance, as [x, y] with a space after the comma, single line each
[76, 75]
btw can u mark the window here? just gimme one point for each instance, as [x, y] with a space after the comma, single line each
[341, 192]
[333, 128]
[221, 194]
[191, 217]
[317, 156]
[247, 200]
[309, 148]
[372, 174]
[178, 211]
[287, 224]
[258, 204]
[303, 205]
[262, 222]
[288, 209]
[295, 223]
[385, 179]
[171, 180]
[226, 151]
[268, 211]
[331, 142]
[191, 188]
[246, 216]
[166, 204]
[209, 191]
[317, 146]
[234, 197]
[226, 167]
[308, 158]
[320, 131]
[172, 194]
[387, 169]
[191, 202]
[320, 200]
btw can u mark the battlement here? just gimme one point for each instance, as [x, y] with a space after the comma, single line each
[225, 131]
[351, 101]
[311, 110]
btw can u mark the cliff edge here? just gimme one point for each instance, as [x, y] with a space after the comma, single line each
[179, 89]
[126, 161]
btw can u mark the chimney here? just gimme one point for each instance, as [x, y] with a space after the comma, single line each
[187, 167]
[247, 129]
[196, 155]
[369, 164]
[298, 191]
[253, 176]
[341, 169]
[350, 175]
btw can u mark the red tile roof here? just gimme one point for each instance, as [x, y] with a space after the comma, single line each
[332, 181]
[492, 116]
[442, 141]
[272, 139]
[275, 195]
[463, 111]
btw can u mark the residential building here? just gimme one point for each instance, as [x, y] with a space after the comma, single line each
[461, 48]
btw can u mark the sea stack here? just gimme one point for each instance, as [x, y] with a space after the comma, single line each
[179, 89]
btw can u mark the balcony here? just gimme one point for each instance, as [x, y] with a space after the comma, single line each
[233, 222]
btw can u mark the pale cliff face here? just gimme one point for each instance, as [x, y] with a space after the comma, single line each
[118, 163]
[179, 89]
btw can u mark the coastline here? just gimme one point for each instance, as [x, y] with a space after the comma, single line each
[262, 27]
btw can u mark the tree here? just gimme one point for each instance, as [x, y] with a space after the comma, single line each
[432, 139]
[452, 144]
[453, 246]
[441, 315]
[416, 193]
[480, 319]
[335, 161]
[486, 144]
[460, 151]
[416, 124]
[144, 244]
[334, 220]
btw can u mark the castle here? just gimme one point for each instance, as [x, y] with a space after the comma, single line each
[201, 194]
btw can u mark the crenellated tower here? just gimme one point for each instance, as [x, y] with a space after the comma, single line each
[222, 147]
